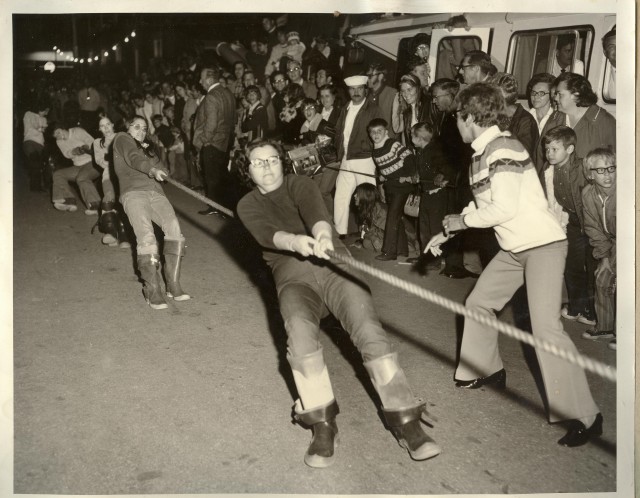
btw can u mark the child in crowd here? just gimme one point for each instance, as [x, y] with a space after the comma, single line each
[434, 175]
[295, 48]
[599, 207]
[397, 170]
[566, 187]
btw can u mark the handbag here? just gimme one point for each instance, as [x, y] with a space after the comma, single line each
[412, 206]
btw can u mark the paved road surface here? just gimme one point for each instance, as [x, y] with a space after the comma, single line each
[112, 397]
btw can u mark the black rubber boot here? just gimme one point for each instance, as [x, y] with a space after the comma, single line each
[322, 420]
[173, 253]
[149, 265]
[108, 224]
[405, 426]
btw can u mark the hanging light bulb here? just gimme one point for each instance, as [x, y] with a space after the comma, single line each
[106, 54]
[114, 47]
[75, 60]
[133, 34]
[89, 60]
[61, 54]
[126, 40]
[55, 47]
[81, 61]
[95, 58]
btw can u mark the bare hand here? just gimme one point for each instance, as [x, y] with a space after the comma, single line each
[453, 223]
[434, 244]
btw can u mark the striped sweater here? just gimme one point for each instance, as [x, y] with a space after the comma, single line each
[508, 195]
[394, 160]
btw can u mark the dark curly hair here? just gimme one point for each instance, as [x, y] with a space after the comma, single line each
[579, 86]
[539, 78]
[240, 160]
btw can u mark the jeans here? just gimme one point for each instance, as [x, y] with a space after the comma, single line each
[84, 176]
[145, 207]
[541, 268]
[305, 300]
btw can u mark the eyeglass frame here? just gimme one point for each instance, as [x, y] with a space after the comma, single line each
[262, 163]
[601, 171]
[539, 94]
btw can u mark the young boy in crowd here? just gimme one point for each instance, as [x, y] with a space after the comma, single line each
[599, 207]
[566, 187]
[396, 170]
[434, 177]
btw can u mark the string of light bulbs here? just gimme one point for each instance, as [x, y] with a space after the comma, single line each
[91, 59]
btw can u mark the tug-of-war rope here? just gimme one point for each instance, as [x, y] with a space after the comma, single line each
[586, 363]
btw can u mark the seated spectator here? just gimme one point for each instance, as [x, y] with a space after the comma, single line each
[314, 124]
[599, 207]
[520, 123]
[75, 144]
[396, 169]
[566, 185]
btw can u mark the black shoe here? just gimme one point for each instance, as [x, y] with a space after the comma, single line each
[498, 379]
[412, 260]
[464, 273]
[578, 434]
[208, 211]
[383, 256]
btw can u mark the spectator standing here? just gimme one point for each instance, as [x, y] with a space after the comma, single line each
[212, 136]
[35, 124]
[381, 94]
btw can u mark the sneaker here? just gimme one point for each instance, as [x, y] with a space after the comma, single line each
[598, 334]
[564, 312]
[109, 240]
[63, 206]
[612, 345]
[586, 321]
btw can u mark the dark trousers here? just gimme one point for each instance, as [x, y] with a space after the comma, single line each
[33, 152]
[216, 176]
[395, 237]
[579, 273]
[433, 208]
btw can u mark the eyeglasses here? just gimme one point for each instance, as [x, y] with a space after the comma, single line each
[138, 127]
[309, 107]
[294, 69]
[262, 163]
[539, 94]
[608, 169]
[463, 66]
[279, 81]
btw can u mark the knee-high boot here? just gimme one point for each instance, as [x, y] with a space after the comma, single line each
[401, 410]
[108, 224]
[149, 266]
[316, 408]
[173, 253]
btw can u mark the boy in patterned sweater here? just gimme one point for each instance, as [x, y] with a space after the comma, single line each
[396, 168]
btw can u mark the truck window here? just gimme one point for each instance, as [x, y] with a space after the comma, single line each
[609, 83]
[451, 51]
[549, 51]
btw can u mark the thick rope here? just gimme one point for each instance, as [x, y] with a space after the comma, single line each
[594, 366]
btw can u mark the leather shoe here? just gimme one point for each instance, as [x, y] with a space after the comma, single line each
[464, 273]
[578, 434]
[498, 379]
[383, 256]
[208, 211]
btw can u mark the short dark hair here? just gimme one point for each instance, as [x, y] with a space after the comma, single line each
[309, 101]
[564, 40]
[562, 134]
[414, 62]
[422, 125]
[329, 87]
[483, 101]
[482, 60]
[376, 67]
[252, 89]
[273, 76]
[377, 122]
[212, 72]
[609, 34]
[447, 85]
[539, 78]
[579, 85]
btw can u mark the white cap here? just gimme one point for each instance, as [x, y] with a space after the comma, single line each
[356, 81]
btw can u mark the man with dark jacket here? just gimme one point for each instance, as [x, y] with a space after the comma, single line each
[354, 149]
[212, 135]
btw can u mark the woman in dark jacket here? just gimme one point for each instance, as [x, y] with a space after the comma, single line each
[418, 106]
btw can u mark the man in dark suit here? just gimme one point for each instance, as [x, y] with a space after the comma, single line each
[212, 136]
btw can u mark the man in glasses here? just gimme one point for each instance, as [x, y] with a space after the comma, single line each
[476, 66]
[288, 218]
[294, 71]
[381, 94]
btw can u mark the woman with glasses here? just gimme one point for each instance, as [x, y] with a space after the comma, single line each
[140, 171]
[287, 217]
